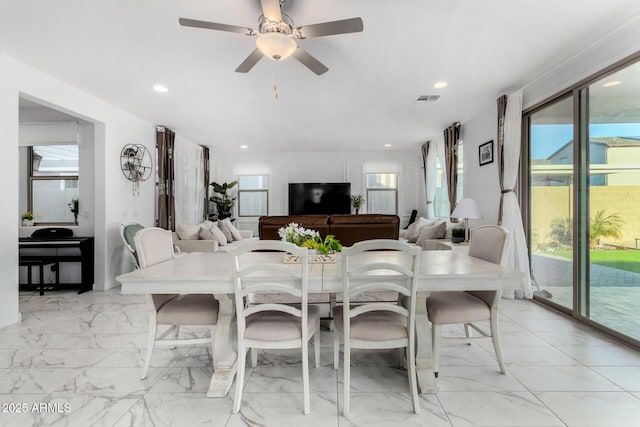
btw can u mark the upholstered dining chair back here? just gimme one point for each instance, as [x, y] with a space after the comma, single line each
[153, 246]
[374, 266]
[271, 324]
[489, 243]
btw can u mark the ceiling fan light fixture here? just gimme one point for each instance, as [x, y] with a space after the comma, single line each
[276, 46]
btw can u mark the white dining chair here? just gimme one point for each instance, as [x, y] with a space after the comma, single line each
[377, 325]
[489, 243]
[155, 245]
[273, 325]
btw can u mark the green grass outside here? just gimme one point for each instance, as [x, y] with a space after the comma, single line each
[628, 260]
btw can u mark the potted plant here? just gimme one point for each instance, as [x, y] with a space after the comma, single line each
[73, 207]
[457, 235]
[222, 199]
[27, 219]
[357, 201]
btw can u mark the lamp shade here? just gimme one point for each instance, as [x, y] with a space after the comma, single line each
[276, 46]
[466, 208]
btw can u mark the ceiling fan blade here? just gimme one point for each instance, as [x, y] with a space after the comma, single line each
[251, 60]
[352, 25]
[271, 10]
[310, 62]
[215, 26]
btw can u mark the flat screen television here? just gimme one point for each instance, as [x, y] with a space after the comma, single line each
[320, 198]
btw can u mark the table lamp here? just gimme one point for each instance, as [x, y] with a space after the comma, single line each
[467, 209]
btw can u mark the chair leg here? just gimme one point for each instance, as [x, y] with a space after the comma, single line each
[150, 343]
[495, 337]
[347, 377]
[435, 348]
[254, 357]
[242, 360]
[332, 304]
[305, 377]
[413, 382]
[336, 349]
[316, 346]
[467, 331]
[401, 357]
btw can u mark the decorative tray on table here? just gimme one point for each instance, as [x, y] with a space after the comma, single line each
[312, 259]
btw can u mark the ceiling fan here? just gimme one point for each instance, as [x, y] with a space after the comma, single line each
[276, 36]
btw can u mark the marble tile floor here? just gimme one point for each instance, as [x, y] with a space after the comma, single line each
[75, 361]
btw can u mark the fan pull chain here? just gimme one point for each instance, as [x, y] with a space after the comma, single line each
[275, 90]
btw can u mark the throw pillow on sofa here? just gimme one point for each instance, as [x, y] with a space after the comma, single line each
[205, 234]
[188, 231]
[435, 231]
[220, 237]
[225, 229]
[212, 234]
[235, 233]
[418, 226]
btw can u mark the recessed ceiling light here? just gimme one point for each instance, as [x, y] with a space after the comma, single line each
[244, 147]
[440, 85]
[160, 88]
[612, 83]
[387, 145]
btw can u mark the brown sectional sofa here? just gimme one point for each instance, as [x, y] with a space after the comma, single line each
[268, 226]
[349, 229]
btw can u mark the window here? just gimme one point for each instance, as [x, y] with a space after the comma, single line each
[253, 195]
[382, 193]
[53, 182]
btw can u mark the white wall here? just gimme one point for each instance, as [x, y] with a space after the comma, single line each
[481, 182]
[290, 167]
[113, 201]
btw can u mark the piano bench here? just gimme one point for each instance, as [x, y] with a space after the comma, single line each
[40, 263]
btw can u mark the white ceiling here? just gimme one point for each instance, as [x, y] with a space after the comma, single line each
[118, 49]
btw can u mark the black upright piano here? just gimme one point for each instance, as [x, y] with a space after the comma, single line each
[53, 248]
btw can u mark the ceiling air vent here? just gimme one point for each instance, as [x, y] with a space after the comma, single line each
[429, 98]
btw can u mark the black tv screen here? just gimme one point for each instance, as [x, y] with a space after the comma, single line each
[320, 198]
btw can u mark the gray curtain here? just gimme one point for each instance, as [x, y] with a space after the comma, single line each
[502, 111]
[425, 153]
[165, 142]
[451, 141]
[206, 168]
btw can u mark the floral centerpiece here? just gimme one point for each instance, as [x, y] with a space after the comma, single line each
[311, 239]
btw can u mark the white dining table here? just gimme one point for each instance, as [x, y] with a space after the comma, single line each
[210, 273]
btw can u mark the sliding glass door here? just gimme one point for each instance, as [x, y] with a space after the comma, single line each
[614, 201]
[584, 201]
[551, 206]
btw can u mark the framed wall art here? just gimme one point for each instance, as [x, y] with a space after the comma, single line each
[485, 153]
